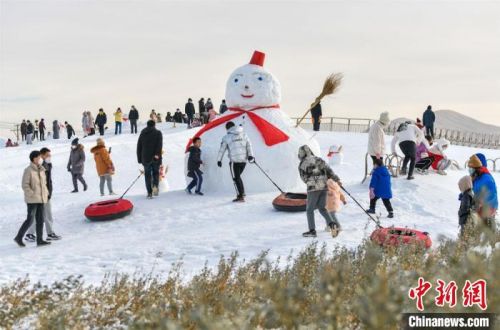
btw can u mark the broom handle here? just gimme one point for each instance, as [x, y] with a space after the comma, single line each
[318, 99]
[354, 199]
[126, 191]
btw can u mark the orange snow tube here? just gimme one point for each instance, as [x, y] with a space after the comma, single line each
[290, 202]
[109, 210]
[395, 236]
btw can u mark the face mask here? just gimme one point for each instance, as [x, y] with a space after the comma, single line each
[40, 161]
[48, 160]
[73, 147]
[471, 171]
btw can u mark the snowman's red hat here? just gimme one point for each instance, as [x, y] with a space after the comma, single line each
[258, 58]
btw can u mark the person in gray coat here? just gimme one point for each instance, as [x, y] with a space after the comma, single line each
[55, 130]
[76, 164]
[314, 171]
[240, 150]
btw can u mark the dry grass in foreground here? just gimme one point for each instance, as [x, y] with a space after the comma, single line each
[366, 288]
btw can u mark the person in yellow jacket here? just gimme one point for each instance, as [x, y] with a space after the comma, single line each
[118, 121]
[36, 195]
[104, 166]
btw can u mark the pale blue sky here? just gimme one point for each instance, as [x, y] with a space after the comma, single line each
[58, 58]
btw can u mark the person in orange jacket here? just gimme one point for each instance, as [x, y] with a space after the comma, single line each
[104, 166]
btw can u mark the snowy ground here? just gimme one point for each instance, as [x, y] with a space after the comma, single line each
[196, 229]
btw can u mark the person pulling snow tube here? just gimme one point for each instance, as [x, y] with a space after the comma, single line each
[290, 202]
[396, 236]
[109, 210]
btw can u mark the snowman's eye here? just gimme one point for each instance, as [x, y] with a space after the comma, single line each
[235, 80]
[260, 78]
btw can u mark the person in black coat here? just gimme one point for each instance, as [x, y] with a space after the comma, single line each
[69, 130]
[23, 130]
[428, 119]
[223, 107]
[41, 127]
[194, 163]
[203, 110]
[178, 116]
[101, 120]
[316, 114]
[190, 111]
[133, 116]
[149, 150]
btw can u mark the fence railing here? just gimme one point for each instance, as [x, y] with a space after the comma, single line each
[339, 124]
[362, 125]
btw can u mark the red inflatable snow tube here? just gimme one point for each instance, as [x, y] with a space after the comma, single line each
[109, 210]
[290, 202]
[394, 236]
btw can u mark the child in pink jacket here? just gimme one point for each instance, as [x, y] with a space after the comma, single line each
[334, 200]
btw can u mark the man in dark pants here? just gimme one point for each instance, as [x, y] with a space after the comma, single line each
[101, 120]
[190, 111]
[316, 114]
[133, 116]
[23, 130]
[240, 150]
[428, 119]
[149, 149]
[36, 194]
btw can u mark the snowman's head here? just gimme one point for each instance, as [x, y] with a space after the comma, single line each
[252, 86]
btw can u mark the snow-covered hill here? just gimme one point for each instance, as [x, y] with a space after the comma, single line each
[453, 120]
[196, 229]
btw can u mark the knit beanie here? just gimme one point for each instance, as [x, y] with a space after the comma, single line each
[384, 118]
[474, 162]
[74, 142]
[482, 158]
[465, 183]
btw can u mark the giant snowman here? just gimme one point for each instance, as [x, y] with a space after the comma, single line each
[253, 98]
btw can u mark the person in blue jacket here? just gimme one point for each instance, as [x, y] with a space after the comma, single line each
[484, 187]
[380, 187]
[428, 119]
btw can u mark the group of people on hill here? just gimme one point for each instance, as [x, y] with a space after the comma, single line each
[31, 131]
[206, 113]
[478, 195]
[478, 190]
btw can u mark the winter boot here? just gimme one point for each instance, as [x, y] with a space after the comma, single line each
[30, 238]
[53, 237]
[403, 171]
[239, 199]
[391, 215]
[150, 196]
[42, 243]
[334, 229]
[19, 242]
[198, 193]
[156, 191]
[188, 191]
[85, 187]
[74, 191]
[371, 211]
[310, 233]
[411, 177]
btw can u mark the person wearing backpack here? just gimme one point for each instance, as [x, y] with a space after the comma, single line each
[408, 136]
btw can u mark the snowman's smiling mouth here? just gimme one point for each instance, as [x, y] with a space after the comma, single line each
[247, 96]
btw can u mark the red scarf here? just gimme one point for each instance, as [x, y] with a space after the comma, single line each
[270, 133]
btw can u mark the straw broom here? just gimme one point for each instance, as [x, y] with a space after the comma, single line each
[331, 85]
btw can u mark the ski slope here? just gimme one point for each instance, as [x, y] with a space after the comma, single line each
[176, 226]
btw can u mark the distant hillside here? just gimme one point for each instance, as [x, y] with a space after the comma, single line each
[456, 121]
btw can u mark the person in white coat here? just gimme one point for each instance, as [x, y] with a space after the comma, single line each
[408, 136]
[240, 150]
[376, 137]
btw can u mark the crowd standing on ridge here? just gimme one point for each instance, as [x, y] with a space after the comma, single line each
[422, 154]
